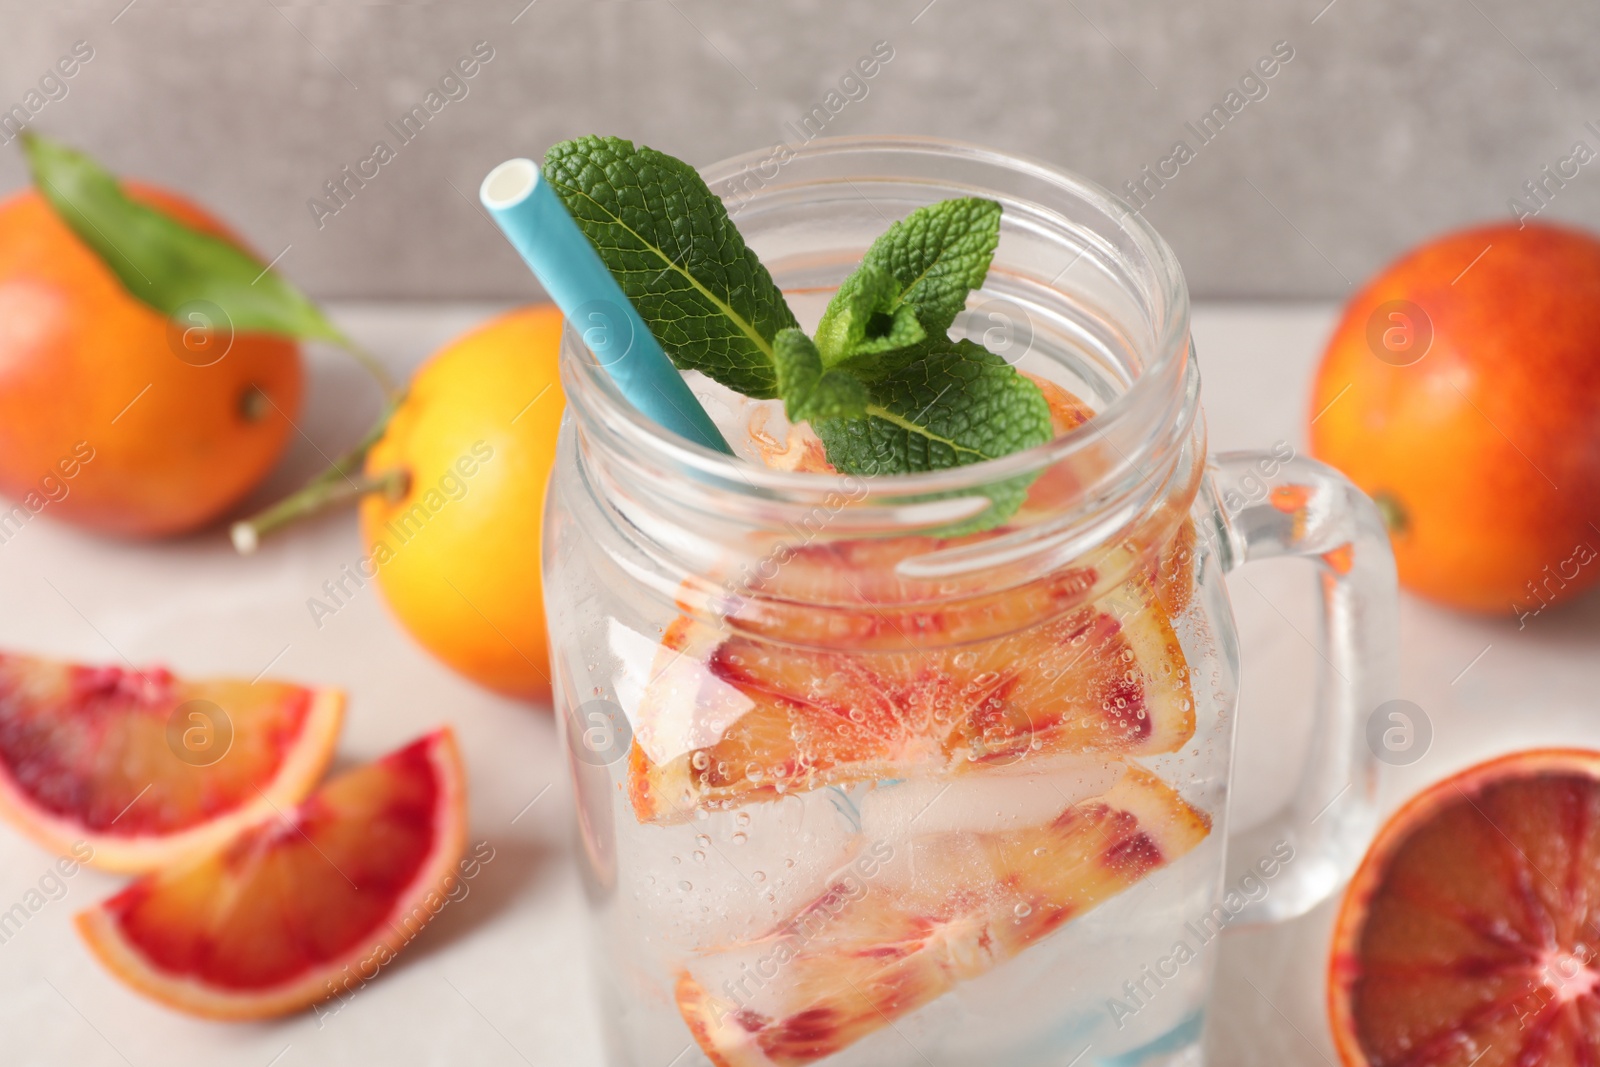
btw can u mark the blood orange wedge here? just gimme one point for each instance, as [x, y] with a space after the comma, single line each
[301, 908]
[1471, 933]
[143, 767]
[730, 718]
[927, 913]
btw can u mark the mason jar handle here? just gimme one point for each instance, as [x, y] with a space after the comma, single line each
[1279, 504]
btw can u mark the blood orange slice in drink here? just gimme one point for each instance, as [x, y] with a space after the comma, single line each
[932, 910]
[732, 718]
[301, 908]
[136, 769]
[1471, 933]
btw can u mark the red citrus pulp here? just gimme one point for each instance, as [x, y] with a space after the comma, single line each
[144, 767]
[1470, 935]
[300, 908]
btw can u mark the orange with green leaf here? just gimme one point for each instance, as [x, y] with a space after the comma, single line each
[150, 378]
[113, 414]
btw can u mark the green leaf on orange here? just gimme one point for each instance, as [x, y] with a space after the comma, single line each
[163, 263]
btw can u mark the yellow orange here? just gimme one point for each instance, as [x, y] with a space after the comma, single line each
[457, 553]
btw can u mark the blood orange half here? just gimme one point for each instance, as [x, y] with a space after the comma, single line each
[1471, 933]
[302, 908]
[144, 768]
[941, 909]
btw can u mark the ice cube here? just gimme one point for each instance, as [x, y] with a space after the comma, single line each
[1030, 793]
[733, 875]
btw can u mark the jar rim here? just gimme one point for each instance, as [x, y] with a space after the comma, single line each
[1155, 399]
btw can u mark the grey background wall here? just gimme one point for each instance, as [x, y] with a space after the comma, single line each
[1392, 121]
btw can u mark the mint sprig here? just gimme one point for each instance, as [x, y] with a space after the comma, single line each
[882, 383]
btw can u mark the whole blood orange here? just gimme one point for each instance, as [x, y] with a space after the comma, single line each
[1460, 390]
[1471, 933]
[131, 770]
[457, 554]
[308, 906]
[101, 422]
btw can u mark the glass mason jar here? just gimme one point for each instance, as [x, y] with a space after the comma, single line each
[854, 786]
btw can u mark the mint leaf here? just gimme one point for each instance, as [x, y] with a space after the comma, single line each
[810, 393]
[669, 242]
[938, 254]
[162, 262]
[865, 319]
[958, 404]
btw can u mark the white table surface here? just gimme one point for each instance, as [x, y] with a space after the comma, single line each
[501, 977]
